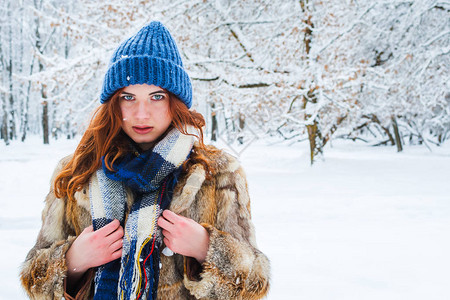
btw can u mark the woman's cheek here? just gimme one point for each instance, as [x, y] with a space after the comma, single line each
[126, 116]
[125, 112]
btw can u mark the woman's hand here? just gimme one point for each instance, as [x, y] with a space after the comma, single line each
[184, 236]
[94, 248]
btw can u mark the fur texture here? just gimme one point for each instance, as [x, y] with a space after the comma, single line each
[234, 267]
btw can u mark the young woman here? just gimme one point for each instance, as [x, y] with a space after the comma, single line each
[144, 209]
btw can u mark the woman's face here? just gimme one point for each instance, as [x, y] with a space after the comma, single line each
[145, 112]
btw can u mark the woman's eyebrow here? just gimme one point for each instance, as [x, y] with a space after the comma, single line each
[158, 92]
[155, 92]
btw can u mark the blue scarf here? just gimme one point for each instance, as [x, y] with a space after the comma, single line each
[151, 176]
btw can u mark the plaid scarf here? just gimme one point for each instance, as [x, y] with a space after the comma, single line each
[151, 176]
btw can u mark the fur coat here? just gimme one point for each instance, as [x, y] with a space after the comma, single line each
[234, 267]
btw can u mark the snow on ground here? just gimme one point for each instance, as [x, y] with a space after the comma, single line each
[365, 223]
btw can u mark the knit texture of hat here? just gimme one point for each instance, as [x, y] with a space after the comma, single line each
[150, 56]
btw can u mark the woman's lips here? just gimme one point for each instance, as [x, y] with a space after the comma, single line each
[142, 129]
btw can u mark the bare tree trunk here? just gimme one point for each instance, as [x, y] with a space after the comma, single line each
[25, 92]
[24, 124]
[4, 126]
[398, 140]
[5, 134]
[45, 122]
[241, 127]
[9, 69]
[315, 141]
[314, 134]
[11, 121]
[24, 118]
[45, 118]
[39, 47]
[214, 127]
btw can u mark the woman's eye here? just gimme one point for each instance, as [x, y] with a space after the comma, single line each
[158, 97]
[127, 97]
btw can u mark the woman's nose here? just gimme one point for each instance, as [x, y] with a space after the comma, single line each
[143, 110]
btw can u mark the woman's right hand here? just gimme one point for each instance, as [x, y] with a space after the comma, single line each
[94, 248]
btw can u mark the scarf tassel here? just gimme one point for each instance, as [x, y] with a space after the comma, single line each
[153, 267]
[140, 275]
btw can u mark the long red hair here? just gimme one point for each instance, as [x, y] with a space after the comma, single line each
[104, 137]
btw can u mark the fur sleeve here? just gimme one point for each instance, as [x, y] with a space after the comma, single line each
[234, 267]
[42, 274]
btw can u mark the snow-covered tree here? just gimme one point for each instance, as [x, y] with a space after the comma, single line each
[309, 70]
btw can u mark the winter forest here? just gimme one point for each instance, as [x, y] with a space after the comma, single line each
[303, 70]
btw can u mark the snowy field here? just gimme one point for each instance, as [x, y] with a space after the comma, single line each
[365, 223]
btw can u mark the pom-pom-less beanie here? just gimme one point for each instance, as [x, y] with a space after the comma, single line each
[150, 56]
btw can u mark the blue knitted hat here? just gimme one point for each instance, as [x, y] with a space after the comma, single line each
[150, 56]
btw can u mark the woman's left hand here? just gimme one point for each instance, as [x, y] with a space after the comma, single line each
[184, 236]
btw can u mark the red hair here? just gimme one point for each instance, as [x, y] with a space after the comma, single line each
[104, 137]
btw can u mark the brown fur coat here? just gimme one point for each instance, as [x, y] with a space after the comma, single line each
[234, 267]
